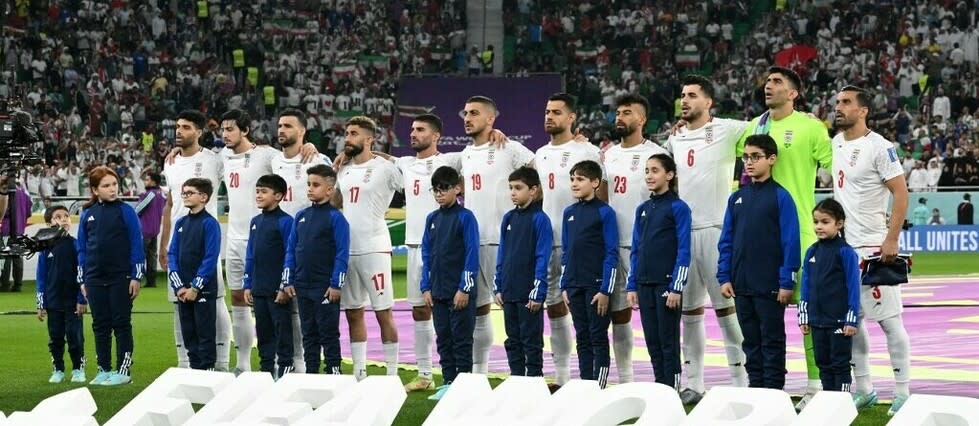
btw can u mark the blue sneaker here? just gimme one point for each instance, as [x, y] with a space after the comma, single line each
[101, 377]
[865, 400]
[78, 376]
[898, 402]
[439, 393]
[117, 379]
[57, 377]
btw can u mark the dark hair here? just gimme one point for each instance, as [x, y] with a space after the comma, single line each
[432, 120]
[94, 179]
[364, 122]
[791, 75]
[588, 168]
[527, 175]
[203, 185]
[241, 118]
[705, 85]
[633, 99]
[445, 177]
[292, 112]
[764, 142]
[49, 213]
[832, 208]
[669, 165]
[154, 176]
[274, 182]
[564, 97]
[863, 97]
[193, 116]
[479, 99]
[323, 171]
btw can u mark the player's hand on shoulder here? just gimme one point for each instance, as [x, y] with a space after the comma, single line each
[498, 138]
[172, 156]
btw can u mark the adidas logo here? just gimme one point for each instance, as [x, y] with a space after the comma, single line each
[738, 201]
[254, 227]
[665, 294]
[302, 220]
[643, 214]
[91, 218]
[812, 259]
[50, 255]
[508, 227]
[571, 219]
[433, 226]
[180, 229]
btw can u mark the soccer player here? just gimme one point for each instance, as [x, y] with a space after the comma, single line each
[803, 146]
[866, 172]
[292, 164]
[625, 165]
[705, 153]
[758, 258]
[193, 161]
[193, 257]
[366, 186]
[426, 130]
[590, 241]
[486, 168]
[554, 162]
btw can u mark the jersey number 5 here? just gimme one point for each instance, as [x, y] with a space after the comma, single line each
[416, 188]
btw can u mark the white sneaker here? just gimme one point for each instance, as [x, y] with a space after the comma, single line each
[799, 406]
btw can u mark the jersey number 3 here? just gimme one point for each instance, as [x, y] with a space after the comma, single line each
[839, 179]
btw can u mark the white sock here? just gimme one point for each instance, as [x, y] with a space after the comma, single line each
[622, 347]
[482, 343]
[243, 326]
[813, 386]
[222, 337]
[424, 335]
[694, 340]
[178, 336]
[731, 331]
[391, 357]
[298, 359]
[561, 341]
[861, 360]
[899, 349]
[358, 350]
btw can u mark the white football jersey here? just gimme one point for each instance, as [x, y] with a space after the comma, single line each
[705, 160]
[419, 201]
[860, 168]
[626, 171]
[241, 172]
[204, 164]
[367, 190]
[486, 172]
[554, 163]
[293, 170]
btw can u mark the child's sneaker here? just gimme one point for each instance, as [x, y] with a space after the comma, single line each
[100, 378]
[117, 379]
[78, 376]
[439, 393]
[57, 377]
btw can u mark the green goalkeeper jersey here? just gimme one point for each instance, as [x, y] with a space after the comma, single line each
[803, 146]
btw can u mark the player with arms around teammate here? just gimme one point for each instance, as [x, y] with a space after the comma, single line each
[866, 172]
[705, 153]
[365, 188]
[757, 262]
[624, 165]
[554, 162]
[803, 147]
[521, 274]
[193, 161]
[486, 167]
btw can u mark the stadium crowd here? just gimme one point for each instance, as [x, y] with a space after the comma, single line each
[106, 78]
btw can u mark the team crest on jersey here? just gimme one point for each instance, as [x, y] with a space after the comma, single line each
[367, 175]
[709, 134]
[248, 159]
[198, 169]
[428, 166]
[565, 156]
[491, 157]
[854, 156]
[635, 163]
[788, 138]
[299, 171]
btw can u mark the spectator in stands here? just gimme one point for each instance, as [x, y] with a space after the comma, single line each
[965, 210]
[936, 218]
[918, 180]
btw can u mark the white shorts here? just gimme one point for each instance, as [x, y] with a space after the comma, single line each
[234, 263]
[702, 278]
[554, 296]
[415, 276]
[220, 276]
[878, 303]
[617, 299]
[486, 277]
[368, 280]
